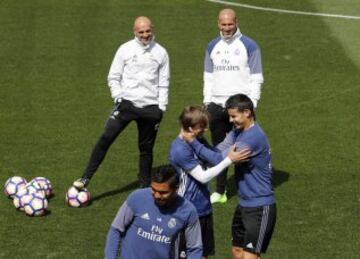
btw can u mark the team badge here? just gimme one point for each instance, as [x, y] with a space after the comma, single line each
[237, 52]
[172, 223]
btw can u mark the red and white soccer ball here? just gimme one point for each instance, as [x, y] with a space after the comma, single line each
[34, 204]
[44, 184]
[77, 198]
[13, 185]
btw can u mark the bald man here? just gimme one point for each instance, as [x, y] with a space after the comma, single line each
[139, 81]
[232, 66]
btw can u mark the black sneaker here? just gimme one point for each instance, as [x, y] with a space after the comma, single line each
[81, 183]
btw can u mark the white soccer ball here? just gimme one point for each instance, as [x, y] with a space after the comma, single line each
[44, 184]
[34, 187]
[13, 185]
[77, 198]
[18, 196]
[34, 204]
[27, 189]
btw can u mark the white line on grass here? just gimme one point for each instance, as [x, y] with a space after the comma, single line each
[285, 11]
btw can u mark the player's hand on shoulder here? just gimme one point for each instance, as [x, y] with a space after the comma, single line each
[187, 135]
[240, 156]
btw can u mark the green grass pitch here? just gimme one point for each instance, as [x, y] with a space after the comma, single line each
[54, 59]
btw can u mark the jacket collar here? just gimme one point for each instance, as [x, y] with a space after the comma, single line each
[236, 35]
[141, 45]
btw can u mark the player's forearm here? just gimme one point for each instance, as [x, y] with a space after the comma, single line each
[112, 243]
[163, 97]
[204, 176]
[208, 77]
[193, 240]
[194, 253]
[211, 156]
[208, 83]
[225, 145]
[115, 75]
[256, 81]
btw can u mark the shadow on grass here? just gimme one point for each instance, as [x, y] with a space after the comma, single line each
[131, 186]
[279, 177]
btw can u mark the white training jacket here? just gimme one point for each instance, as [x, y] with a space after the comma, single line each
[140, 74]
[232, 66]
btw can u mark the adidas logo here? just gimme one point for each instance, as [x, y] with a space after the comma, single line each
[250, 245]
[145, 216]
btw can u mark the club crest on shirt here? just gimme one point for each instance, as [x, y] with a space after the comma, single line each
[237, 52]
[172, 223]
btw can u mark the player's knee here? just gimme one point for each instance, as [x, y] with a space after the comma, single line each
[106, 139]
[146, 149]
[249, 255]
[237, 252]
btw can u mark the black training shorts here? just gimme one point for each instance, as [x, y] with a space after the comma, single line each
[252, 228]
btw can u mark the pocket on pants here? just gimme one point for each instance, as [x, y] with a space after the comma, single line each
[153, 112]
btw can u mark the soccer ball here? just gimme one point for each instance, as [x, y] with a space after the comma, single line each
[34, 204]
[13, 185]
[77, 198]
[18, 197]
[44, 184]
[33, 187]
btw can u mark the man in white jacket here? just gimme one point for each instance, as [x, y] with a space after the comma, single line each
[232, 66]
[138, 80]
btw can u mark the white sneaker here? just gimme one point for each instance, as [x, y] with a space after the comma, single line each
[81, 183]
[218, 198]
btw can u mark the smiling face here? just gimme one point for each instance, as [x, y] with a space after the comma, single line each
[240, 119]
[143, 30]
[227, 23]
